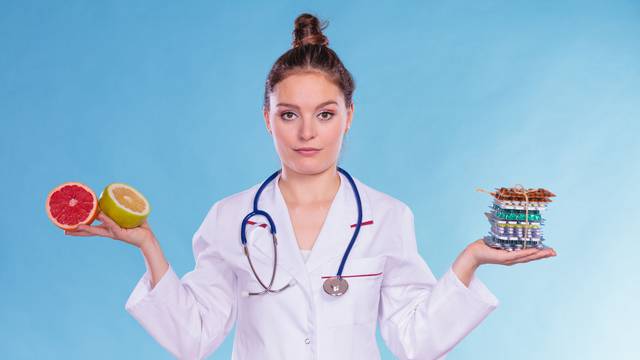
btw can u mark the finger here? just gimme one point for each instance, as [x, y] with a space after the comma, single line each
[78, 233]
[103, 226]
[505, 254]
[95, 230]
[540, 255]
[518, 254]
[109, 223]
[107, 220]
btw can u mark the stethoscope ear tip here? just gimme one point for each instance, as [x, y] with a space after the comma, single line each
[244, 294]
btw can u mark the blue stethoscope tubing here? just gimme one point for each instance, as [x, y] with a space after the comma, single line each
[272, 227]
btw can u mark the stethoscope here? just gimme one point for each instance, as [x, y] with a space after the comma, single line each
[335, 285]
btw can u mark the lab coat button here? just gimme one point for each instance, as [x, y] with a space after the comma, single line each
[307, 341]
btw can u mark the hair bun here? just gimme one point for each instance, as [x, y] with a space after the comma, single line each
[308, 30]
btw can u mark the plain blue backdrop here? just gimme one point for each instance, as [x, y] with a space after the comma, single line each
[451, 96]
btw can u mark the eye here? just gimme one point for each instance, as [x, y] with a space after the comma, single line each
[327, 115]
[285, 115]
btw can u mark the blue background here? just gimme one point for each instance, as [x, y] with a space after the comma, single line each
[450, 96]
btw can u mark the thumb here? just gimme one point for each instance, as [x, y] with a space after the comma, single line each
[109, 222]
[145, 224]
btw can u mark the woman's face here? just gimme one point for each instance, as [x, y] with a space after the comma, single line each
[307, 118]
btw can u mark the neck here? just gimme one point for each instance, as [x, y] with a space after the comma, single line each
[309, 188]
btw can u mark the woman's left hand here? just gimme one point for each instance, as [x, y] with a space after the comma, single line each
[478, 253]
[485, 254]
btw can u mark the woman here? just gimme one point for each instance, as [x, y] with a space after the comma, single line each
[314, 206]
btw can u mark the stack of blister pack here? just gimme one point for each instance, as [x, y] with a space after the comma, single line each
[516, 218]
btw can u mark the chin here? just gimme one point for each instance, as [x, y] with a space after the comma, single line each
[308, 166]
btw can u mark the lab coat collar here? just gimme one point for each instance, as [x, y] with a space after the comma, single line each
[332, 241]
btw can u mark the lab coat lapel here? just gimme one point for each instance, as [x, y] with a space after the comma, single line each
[334, 238]
[332, 241]
[289, 256]
[332, 234]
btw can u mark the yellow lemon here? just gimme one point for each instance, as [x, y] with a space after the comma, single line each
[124, 204]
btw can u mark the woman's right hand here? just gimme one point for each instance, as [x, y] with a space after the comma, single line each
[137, 236]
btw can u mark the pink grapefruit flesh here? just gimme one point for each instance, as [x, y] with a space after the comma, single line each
[71, 204]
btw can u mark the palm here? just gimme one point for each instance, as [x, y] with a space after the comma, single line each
[134, 236]
[487, 255]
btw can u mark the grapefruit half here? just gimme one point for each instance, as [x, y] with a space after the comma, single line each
[124, 204]
[71, 204]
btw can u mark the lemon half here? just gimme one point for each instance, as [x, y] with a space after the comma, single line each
[124, 204]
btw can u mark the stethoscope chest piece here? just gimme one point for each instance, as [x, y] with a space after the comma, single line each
[335, 286]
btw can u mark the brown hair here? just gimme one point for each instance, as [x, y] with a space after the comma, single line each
[310, 51]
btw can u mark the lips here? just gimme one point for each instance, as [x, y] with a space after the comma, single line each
[307, 151]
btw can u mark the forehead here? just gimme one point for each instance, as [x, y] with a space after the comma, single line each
[306, 89]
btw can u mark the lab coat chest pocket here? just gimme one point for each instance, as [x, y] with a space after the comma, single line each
[360, 303]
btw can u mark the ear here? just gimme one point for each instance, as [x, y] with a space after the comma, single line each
[350, 111]
[267, 122]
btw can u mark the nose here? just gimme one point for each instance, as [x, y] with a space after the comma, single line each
[307, 129]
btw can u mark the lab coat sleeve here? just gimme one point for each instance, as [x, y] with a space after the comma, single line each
[189, 317]
[422, 317]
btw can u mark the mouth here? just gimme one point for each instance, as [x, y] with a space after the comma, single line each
[307, 151]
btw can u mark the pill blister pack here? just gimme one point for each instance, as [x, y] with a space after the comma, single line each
[516, 218]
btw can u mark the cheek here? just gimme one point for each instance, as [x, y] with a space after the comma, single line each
[333, 135]
[276, 130]
[282, 138]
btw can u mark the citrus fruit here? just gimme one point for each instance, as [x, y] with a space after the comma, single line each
[124, 205]
[71, 204]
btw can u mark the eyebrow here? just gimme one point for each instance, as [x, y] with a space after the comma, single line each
[319, 106]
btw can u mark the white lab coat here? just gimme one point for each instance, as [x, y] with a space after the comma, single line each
[420, 317]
